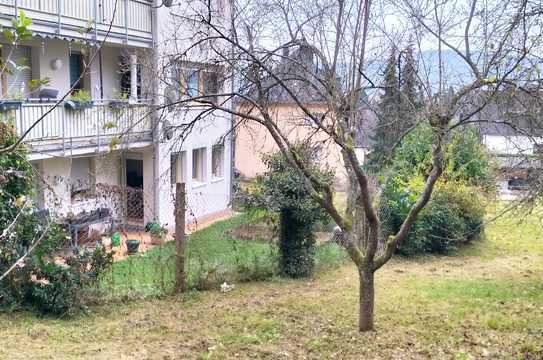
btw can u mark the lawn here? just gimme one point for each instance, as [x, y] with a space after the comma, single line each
[486, 301]
[213, 257]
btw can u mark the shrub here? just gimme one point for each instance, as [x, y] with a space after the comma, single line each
[454, 216]
[455, 212]
[280, 192]
[38, 282]
[57, 289]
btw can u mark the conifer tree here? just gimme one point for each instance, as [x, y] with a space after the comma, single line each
[388, 110]
[410, 100]
[397, 107]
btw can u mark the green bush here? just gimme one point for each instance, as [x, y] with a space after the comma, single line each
[57, 289]
[455, 212]
[279, 191]
[454, 216]
[37, 282]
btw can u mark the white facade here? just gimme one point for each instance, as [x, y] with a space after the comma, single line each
[94, 158]
[511, 145]
[208, 191]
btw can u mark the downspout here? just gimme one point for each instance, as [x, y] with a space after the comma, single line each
[233, 122]
[154, 114]
[101, 74]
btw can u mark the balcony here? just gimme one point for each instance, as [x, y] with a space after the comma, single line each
[93, 129]
[131, 20]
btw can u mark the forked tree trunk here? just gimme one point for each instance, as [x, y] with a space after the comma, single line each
[367, 295]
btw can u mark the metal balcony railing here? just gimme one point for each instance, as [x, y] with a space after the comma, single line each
[66, 128]
[133, 18]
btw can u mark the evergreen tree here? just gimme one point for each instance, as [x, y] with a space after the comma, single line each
[397, 108]
[410, 100]
[388, 111]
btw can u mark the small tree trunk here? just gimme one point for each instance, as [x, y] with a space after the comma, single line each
[180, 275]
[367, 295]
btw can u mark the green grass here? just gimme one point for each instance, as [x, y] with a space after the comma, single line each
[511, 232]
[213, 257]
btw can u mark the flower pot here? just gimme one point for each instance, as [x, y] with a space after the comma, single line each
[77, 105]
[116, 239]
[132, 246]
[10, 105]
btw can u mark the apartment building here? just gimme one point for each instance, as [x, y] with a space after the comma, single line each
[112, 146]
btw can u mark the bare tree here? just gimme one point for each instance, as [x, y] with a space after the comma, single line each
[320, 49]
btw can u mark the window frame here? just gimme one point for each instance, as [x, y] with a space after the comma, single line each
[199, 177]
[221, 163]
[206, 79]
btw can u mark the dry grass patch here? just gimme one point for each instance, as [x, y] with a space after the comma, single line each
[464, 307]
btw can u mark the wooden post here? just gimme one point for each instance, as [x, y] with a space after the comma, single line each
[180, 276]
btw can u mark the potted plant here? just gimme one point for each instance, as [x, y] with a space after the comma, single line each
[132, 246]
[157, 232]
[121, 103]
[79, 100]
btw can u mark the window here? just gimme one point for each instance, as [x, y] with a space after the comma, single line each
[76, 69]
[518, 184]
[197, 82]
[210, 85]
[125, 73]
[217, 161]
[81, 178]
[178, 167]
[15, 81]
[199, 164]
[189, 81]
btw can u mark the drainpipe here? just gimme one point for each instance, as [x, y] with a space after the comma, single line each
[154, 114]
[233, 122]
[101, 74]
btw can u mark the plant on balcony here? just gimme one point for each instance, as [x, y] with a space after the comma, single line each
[121, 103]
[79, 100]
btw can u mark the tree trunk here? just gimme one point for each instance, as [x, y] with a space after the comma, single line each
[367, 294]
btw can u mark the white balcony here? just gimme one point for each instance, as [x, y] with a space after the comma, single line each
[131, 20]
[85, 130]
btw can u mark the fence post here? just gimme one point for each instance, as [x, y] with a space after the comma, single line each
[180, 276]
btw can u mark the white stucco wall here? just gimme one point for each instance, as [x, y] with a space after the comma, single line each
[110, 74]
[43, 53]
[213, 195]
[58, 174]
[203, 199]
[54, 49]
[511, 145]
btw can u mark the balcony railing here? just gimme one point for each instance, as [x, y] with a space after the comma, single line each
[132, 19]
[95, 126]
